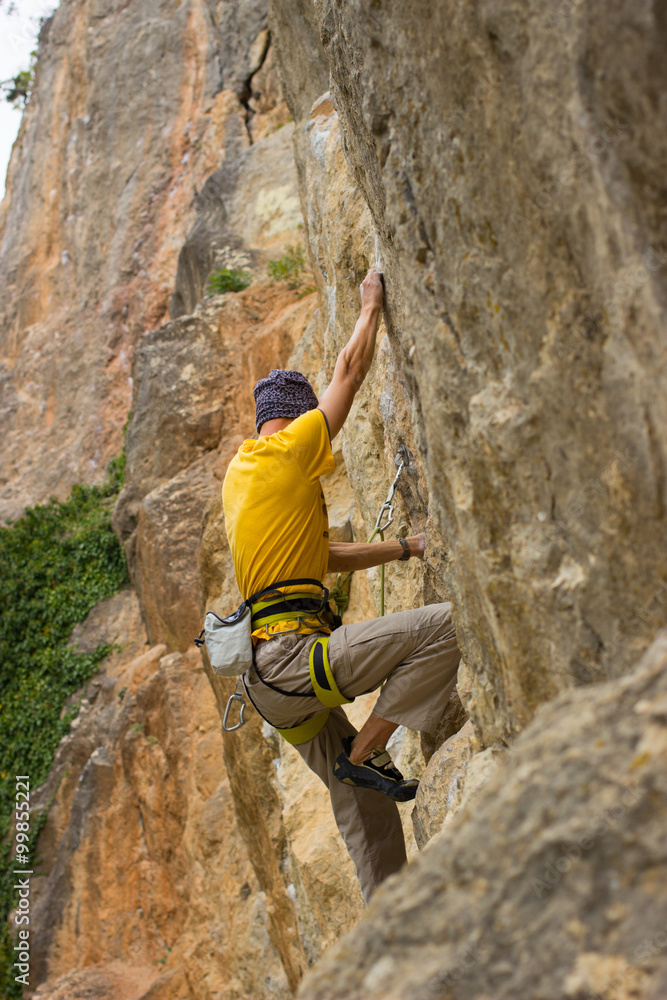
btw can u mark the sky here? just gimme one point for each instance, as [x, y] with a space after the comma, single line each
[19, 27]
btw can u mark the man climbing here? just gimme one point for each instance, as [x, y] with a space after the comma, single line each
[305, 667]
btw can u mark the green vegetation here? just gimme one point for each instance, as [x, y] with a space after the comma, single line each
[18, 88]
[58, 561]
[227, 280]
[291, 268]
[116, 470]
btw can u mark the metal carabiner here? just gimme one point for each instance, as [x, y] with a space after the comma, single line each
[232, 729]
[402, 461]
[387, 507]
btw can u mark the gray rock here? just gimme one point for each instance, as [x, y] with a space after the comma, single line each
[176, 417]
[452, 722]
[242, 34]
[162, 554]
[509, 168]
[550, 883]
[224, 233]
[439, 785]
[512, 170]
[109, 623]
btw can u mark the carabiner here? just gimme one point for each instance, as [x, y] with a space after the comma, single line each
[232, 729]
[386, 508]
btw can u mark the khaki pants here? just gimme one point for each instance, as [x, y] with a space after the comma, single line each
[415, 654]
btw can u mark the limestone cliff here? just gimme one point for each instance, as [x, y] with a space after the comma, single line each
[504, 165]
[508, 158]
[513, 178]
[134, 107]
[144, 885]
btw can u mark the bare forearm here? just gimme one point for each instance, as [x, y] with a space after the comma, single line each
[351, 556]
[355, 360]
[357, 356]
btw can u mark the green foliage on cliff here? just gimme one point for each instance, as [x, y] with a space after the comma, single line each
[58, 561]
[18, 88]
[291, 268]
[227, 280]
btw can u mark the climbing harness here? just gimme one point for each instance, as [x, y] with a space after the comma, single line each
[229, 640]
[322, 678]
[296, 610]
[325, 690]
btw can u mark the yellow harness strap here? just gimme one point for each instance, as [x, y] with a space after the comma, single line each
[321, 676]
[326, 690]
[280, 610]
[306, 731]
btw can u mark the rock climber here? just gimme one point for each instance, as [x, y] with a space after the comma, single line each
[306, 667]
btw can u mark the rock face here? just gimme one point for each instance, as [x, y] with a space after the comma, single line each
[146, 887]
[512, 172]
[505, 167]
[515, 207]
[134, 106]
[562, 855]
[439, 785]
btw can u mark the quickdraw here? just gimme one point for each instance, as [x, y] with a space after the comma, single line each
[339, 593]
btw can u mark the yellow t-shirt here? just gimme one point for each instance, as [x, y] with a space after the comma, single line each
[275, 511]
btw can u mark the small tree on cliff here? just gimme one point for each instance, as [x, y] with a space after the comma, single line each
[17, 89]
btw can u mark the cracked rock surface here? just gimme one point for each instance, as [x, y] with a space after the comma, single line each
[551, 882]
[508, 156]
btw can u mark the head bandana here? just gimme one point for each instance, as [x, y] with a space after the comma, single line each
[283, 394]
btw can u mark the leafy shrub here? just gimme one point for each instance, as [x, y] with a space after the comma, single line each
[227, 280]
[18, 88]
[290, 268]
[116, 469]
[58, 561]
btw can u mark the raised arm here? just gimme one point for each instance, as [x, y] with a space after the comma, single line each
[354, 361]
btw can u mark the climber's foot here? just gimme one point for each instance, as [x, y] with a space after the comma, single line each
[378, 773]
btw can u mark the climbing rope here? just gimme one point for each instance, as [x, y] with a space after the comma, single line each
[340, 592]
